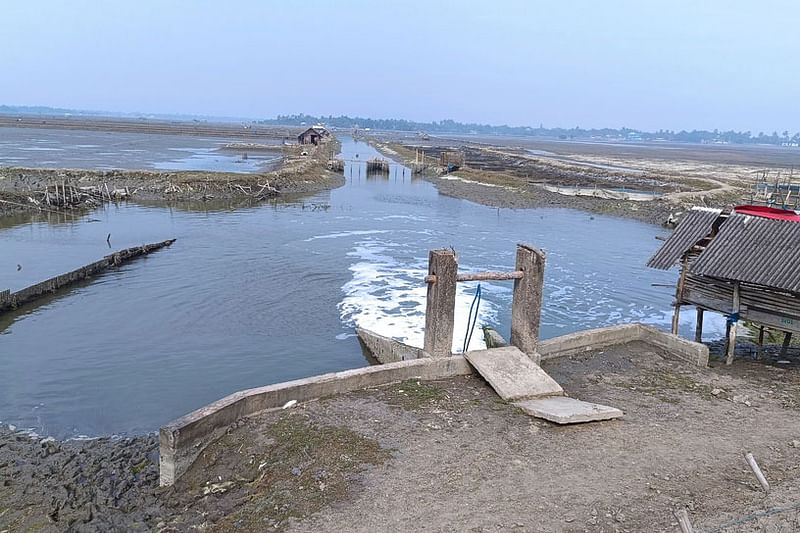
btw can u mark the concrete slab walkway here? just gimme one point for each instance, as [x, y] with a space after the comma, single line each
[512, 374]
[519, 380]
[565, 410]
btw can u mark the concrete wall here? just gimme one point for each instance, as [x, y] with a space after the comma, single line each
[593, 339]
[587, 340]
[689, 351]
[181, 441]
[385, 350]
[10, 300]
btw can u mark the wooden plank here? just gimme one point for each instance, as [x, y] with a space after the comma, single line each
[441, 302]
[772, 320]
[714, 304]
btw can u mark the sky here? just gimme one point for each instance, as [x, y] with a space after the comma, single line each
[646, 64]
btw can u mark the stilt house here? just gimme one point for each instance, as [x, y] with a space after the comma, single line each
[743, 263]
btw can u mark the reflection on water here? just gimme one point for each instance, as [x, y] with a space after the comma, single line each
[215, 160]
[102, 150]
[252, 296]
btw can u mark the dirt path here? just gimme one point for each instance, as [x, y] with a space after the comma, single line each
[448, 456]
[466, 462]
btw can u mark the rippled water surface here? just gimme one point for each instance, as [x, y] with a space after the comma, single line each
[255, 296]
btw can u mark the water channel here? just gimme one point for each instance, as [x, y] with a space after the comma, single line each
[248, 297]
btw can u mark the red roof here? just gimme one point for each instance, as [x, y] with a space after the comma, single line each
[768, 212]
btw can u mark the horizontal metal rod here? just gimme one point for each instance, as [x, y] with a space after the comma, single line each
[482, 276]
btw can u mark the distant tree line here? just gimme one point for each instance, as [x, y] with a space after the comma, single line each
[451, 126]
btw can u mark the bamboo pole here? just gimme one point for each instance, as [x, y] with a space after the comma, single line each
[679, 294]
[733, 322]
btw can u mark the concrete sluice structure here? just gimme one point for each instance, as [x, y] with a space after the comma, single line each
[512, 369]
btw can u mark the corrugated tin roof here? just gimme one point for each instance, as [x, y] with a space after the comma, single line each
[696, 224]
[754, 250]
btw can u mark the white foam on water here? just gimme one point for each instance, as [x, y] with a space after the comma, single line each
[387, 296]
[347, 234]
[415, 218]
[714, 324]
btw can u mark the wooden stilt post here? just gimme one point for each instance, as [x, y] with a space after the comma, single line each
[698, 330]
[441, 303]
[526, 307]
[760, 352]
[733, 321]
[676, 315]
[787, 340]
[679, 295]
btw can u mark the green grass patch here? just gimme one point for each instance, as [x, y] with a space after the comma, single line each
[412, 395]
[307, 467]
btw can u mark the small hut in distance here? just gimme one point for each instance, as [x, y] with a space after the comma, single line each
[451, 160]
[743, 263]
[313, 135]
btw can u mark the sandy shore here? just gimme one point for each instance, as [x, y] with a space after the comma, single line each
[513, 175]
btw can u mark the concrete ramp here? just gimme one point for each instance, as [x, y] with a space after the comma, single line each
[518, 380]
[512, 374]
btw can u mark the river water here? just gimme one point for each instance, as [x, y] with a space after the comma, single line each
[249, 297]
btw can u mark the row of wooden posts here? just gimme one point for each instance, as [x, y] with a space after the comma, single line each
[526, 307]
[738, 312]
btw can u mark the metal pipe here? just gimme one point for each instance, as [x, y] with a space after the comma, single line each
[482, 276]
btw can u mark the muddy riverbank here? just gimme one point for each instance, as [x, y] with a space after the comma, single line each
[304, 172]
[390, 458]
[527, 196]
[515, 177]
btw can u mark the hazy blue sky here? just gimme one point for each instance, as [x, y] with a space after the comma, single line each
[641, 64]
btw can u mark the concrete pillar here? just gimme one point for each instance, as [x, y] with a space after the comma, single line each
[526, 308]
[441, 303]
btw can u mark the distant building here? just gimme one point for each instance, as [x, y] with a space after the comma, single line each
[451, 160]
[310, 136]
[322, 131]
